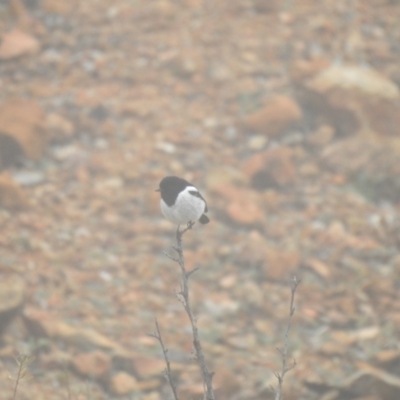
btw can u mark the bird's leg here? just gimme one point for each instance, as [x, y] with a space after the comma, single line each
[189, 225]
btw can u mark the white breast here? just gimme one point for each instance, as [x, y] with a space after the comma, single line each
[186, 208]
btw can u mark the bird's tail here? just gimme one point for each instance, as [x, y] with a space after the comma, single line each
[204, 219]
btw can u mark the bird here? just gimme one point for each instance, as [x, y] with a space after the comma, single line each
[181, 202]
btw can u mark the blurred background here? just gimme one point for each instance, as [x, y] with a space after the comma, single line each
[286, 116]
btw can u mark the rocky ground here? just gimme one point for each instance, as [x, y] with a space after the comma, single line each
[286, 115]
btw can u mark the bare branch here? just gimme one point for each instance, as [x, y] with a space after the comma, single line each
[170, 257]
[168, 373]
[23, 362]
[184, 296]
[285, 367]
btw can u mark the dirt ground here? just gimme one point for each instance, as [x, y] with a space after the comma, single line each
[285, 114]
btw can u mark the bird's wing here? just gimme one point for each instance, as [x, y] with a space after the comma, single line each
[196, 193]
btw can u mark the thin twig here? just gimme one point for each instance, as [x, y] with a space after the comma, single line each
[184, 295]
[168, 373]
[19, 375]
[23, 362]
[67, 383]
[285, 367]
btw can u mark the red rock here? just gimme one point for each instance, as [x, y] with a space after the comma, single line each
[245, 211]
[302, 69]
[352, 98]
[12, 196]
[58, 7]
[122, 383]
[222, 175]
[349, 77]
[59, 126]
[322, 136]
[147, 367]
[228, 281]
[279, 264]
[42, 323]
[319, 267]
[275, 117]
[244, 206]
[270, 168]
[194, 391]
[95, 364]
[12, 296]
[16, 43]
[24, 122]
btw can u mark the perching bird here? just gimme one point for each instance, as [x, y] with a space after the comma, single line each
[181, 202]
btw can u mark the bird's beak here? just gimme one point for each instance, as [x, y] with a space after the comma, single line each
[157, 190]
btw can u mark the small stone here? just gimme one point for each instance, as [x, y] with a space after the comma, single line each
[221, 73]
[221, 304]
[279, 264]
[12, 196]
[58, 7]
[309, 169]
[16, 43]
[166, 147]
[24, 122]
[147, 367]
[70, 152]
[319, 267]
[42, 323]
[122, 383]
[226, 382]
[244, 209]
[28, 178]
[244, 342]
[245, 212]
[228, 281]
[152, 396]
[95, 364]
[223, 175]
[275, 117]
[257, 142]
[140, 108]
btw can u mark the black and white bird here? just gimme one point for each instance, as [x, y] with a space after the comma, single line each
[181, 202]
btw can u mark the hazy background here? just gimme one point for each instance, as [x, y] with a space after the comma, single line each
[285, 114]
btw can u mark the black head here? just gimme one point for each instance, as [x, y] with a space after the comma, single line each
[170, 187]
